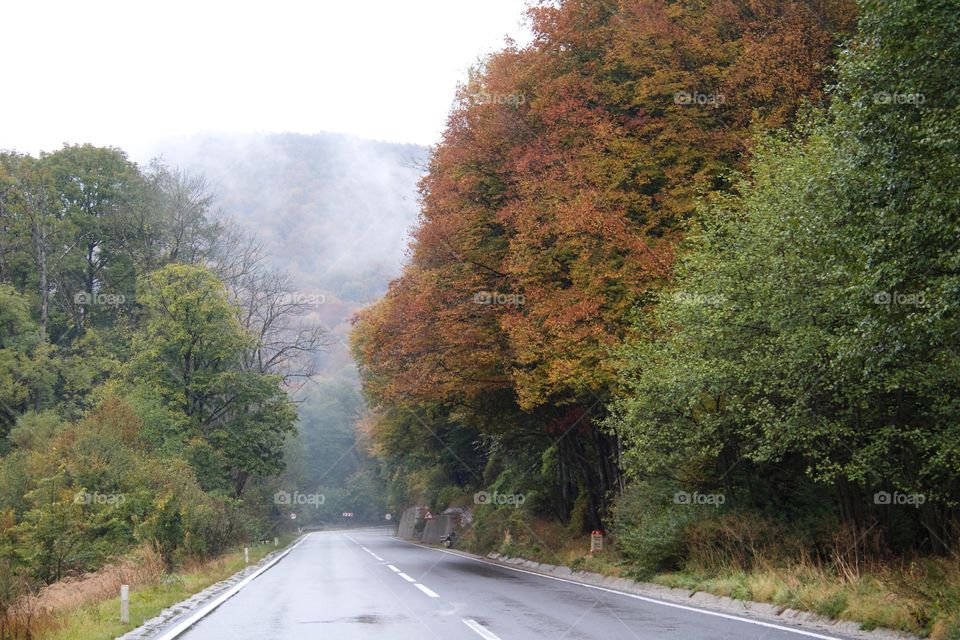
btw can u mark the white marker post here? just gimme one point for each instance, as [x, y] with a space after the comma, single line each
[246, 555]
[596, 541]
[276, 541]
[124, 603]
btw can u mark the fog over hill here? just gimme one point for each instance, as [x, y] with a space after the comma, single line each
[333, 210]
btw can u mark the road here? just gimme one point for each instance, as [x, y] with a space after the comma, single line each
[347, 585]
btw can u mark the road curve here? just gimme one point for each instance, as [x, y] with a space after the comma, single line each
[366, 584]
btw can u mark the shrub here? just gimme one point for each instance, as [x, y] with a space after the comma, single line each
[739, 541]
[650, 529]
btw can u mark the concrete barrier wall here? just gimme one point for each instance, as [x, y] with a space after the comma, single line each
[408, 522]
[437, 528]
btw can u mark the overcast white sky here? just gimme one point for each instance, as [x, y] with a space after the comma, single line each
[130, 73]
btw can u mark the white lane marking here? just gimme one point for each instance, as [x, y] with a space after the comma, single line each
[405, 577]
[363, 547]
[196, 617]
[426, 591]
[684, 607]
[393, 568]
[479, 628]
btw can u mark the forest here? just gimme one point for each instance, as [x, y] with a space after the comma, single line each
[692, 279]
[159, 381]
[681, 275]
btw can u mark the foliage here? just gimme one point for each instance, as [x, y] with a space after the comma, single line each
[143, 362]
[190, 351]
[812, 317]
[552, 211]
[650, 529]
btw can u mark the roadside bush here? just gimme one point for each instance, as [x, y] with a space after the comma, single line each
[211, 525]
[650, 530]
[495, 529]
[444, 497]
[740, 541]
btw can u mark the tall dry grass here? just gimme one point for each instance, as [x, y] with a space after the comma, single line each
[33, 614]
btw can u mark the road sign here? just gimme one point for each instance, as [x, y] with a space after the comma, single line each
[293, 516]
[387, 517]
[428, 516]
[348, 514]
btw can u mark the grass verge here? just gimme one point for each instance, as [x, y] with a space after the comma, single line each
[101, 620]
[920, 597]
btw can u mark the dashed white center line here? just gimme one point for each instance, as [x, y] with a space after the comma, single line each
[480, 629]
[429, 592]
[426, 591]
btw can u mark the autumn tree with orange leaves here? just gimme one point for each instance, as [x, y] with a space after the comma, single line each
[553, 206]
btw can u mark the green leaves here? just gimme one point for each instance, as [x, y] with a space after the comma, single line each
[817, 311]
[191, 350]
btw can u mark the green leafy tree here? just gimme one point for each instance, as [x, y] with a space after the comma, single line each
[191, 349]
[23, 360]
[814, 325]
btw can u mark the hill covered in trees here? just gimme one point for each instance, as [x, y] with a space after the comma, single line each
[146, 349]
[332, 211]
[169, 353]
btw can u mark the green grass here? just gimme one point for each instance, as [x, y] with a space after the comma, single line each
[923, 599]
[101, 620]
[920, 597]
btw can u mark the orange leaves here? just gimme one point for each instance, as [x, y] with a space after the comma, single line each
[564, 176]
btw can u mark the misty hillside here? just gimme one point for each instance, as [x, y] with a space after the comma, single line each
[332, 210]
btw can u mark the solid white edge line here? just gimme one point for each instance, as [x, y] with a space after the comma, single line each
[479, 628]
[425, 590]
[206, 610]
[673, 605]
[405, 576]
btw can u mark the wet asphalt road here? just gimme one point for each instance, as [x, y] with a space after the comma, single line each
[366, 584]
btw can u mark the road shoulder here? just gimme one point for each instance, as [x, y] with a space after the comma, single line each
[707, 602]
[170, 617]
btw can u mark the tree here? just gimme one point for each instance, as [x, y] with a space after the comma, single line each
[554, 203]
[814, 316]
[95, 189]
[22, 359]
[192, 349]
